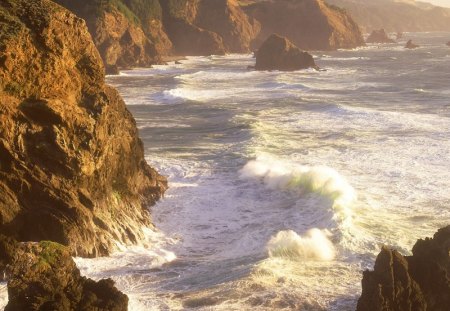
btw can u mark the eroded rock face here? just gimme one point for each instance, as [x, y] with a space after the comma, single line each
[43, 276]
[278, 53]
[410, 283]
[130, 37]
[309, 24]
[72, 167]
[379, 36]
[411, 45]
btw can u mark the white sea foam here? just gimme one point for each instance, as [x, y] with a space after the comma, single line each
[323, 180]
[3, 296]
[314, 245]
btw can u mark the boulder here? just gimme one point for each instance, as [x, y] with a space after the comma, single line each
[420, 282]
[411, 45]
[448, 43]
[43, 276]
[72, 167]
[309, 24]
[379, 36]
[278, 53]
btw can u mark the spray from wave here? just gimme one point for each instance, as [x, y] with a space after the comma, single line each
[322, 180]
[314, 245]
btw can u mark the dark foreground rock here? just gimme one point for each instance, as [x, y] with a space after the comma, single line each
[420, 282]
[43, 276]
[278, 53]
[72, 167]
[379, 36]
[411, 45]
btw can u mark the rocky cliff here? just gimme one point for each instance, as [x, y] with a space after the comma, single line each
[420, 282]
[396, 15]
[309, 24]
[72, 167]
[128, 33]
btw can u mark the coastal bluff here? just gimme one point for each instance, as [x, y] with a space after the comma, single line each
[72, 167]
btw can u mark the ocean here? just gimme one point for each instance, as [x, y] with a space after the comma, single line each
[285, 185]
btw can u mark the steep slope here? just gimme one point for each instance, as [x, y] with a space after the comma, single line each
[128, 33]
[205, 27]
[418, 282]
[309, 24]
[72, 167]
[396, 16]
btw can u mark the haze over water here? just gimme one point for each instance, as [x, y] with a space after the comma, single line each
[284, 186]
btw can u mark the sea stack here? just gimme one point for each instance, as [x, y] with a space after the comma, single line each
[72, 165]
[379, 36]
[411, 45]
[419, 282]
[309, 24]
[278, 53]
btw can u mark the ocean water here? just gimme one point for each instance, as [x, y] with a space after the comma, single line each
[284, 185]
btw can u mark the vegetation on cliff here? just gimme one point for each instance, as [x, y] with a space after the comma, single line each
[72, 167]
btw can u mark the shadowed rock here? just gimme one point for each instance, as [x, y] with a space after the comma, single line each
[278, 53]
[379, 36]
[420, 282]
[411, 45]
[43, 276]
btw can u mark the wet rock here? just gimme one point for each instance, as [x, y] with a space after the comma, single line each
[278, 53]
[379, 36]
[43, 276]
[72, 167]
[411, 45]
[406, 283]
[309, 24]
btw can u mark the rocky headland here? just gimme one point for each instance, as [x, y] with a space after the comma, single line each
[278, 53]
[379, 36]
[72, 167]
[309, 24]
[420, 282]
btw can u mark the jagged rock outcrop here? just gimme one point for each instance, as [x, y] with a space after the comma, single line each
[309, 24]
[278, 53]
[394, 15]
[72, 167]
[43, 276]
[7, 250]
[420, 282]
[128, 33]
[411, 45]
[379, 36]
[205, 27]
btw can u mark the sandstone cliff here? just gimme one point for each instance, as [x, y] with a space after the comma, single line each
[309, 24]
[205, 27]
[128, 33]
[420, 282]
[72, 167]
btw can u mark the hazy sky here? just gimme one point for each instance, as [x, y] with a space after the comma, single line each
[439, 2]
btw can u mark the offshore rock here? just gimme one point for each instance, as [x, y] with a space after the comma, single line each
[278, 53]
[72, 167]
[411, 45]
[379, 36]
[309, 24]
[410, 283]
[43, 276]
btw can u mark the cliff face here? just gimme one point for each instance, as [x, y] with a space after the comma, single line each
[72, 167]
[128, 33]
[403, 283]
[205, 27]
[309, 24]
[396, 15]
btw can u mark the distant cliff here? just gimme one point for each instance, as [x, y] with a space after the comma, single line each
[396, 16]
[309, 24]
[72, 167]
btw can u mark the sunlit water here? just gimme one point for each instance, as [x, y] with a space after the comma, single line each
[283, 186]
